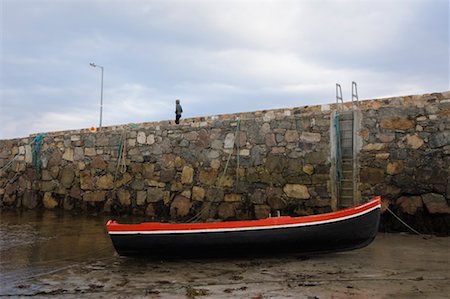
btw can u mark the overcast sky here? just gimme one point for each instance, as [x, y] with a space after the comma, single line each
[216, 56]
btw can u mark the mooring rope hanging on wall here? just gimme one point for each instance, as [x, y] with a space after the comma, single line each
[197, 216]
[10, 162]
[37, 142]
[122, 155]
[405, 224]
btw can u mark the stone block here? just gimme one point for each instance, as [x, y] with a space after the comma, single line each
[258, 196]
[54, 171]
[94, 196]
[136, 168]
[29, 199]
[180, 206]
[102, 140]
[148, 170]
[414, 141]
[320, 178]
[436, 203]
[432, 176]
[150, 210]
[386, 137]
[227, 210]
[105, 182]
[47, 186]
[308, 169]
[78, 154]
[276, 163]
[141, 196]
[49, 201]
[296, 191]
[382, 156]
[198, 193]
[98, 163]
[410, 204]
[316, 158]
[55, 159]
[154, 183]
[394, 167]
[227, 181]
[141, 138]
[28, 154]
[309, 137]
[186, 193]
[123, 180]
[66, 176]
[440, 139]
[46, 175]
[276, 202]
[233, 197]
[279, 138]
[229, 141]
[291, 136]
[68, 155]
[150, 139]
[203, 139]
[90, 151]
[396, 123]
[372, 175]
[167, 175]
[262, 211]
[75, 192]
[138, 184]
[214, 194]
[213, 154]
[216, 144]
[154, 194]
[166, 197]
[208, 176]
[124, 197]
[176, 186]
[268, 116]
[278, 150]
[191, 136]
[375, 147]
[179, 162]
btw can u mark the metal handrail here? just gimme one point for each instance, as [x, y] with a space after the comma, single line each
[339, 97]
[355, 94]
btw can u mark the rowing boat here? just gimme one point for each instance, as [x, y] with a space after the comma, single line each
[341, 230]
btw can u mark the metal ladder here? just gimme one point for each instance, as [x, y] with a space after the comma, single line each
[345, 154]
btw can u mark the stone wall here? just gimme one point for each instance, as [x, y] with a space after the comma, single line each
[228, 167]
[240, 166]
[406, 158]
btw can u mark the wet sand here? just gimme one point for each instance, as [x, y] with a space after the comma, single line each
[45, 254]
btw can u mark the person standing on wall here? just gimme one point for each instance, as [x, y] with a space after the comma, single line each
[178, 111]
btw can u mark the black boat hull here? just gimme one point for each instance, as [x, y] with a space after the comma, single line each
[342, 235]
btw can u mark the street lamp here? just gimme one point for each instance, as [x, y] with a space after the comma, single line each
[101, 92]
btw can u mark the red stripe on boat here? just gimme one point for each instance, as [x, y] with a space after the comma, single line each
[113, 226]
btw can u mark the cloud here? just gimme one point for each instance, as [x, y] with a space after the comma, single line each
[218, 57]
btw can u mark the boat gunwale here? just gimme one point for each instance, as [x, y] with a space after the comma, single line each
[114, 227]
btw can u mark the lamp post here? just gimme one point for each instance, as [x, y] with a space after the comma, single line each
[101, 92]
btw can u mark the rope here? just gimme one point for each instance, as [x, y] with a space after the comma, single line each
[37, 163]
[10, 162]
[405, 224]
[122, 155]
[197, 216]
